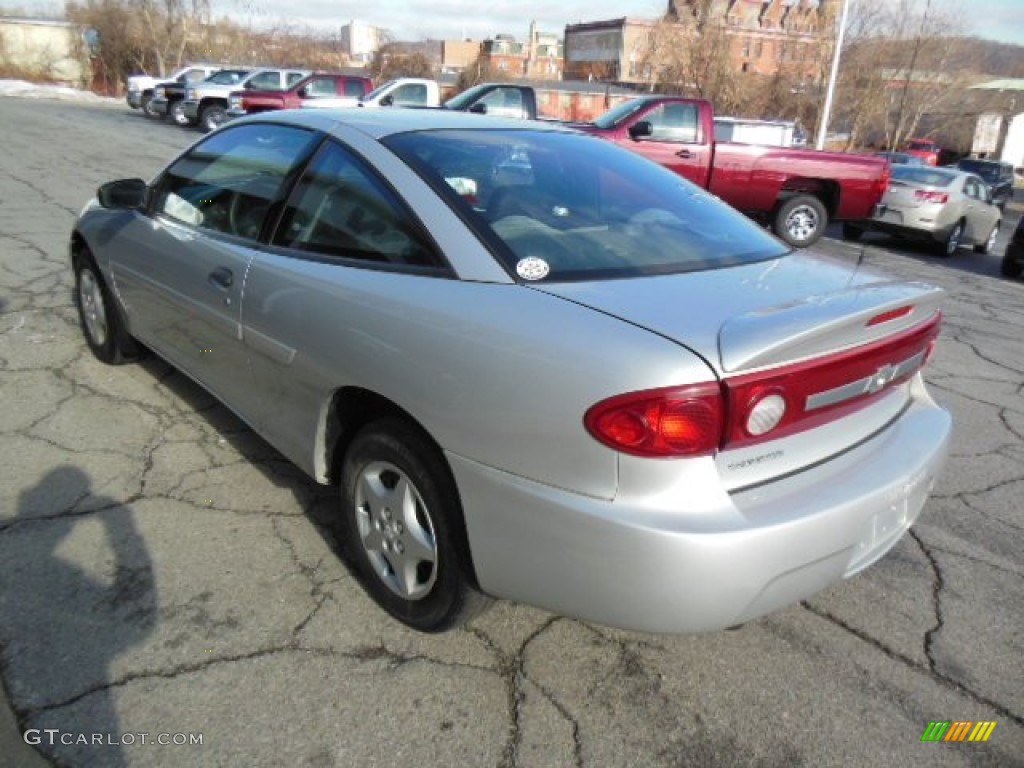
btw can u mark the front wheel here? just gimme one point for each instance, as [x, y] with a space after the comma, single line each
[177, 113]
[801, 221]
[403, 528]
[147, 105]
[990, 242]
[211, 117]
[101, 323]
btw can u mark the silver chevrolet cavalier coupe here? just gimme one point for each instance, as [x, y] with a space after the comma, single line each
[537, 366]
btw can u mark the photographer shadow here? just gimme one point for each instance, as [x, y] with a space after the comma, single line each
[64, 626]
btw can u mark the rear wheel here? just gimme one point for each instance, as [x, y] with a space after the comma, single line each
[101, 322]
[403, 528]
[951, 243]
[801, 220]
[990, 243]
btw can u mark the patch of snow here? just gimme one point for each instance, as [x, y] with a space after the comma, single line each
[26, 90]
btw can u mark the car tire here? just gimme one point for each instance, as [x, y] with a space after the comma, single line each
[176, 110]
[100, 318]
[990, 242]
[403, 530]
[800, 221]
[950, 244]
[852, 233]
[147, 108]
[211, 117]
[1011, 267]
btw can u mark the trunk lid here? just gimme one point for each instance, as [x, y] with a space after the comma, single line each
[848, 339]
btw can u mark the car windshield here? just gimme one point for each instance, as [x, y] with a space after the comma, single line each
[617, 114]
[378, 90]
[923, 174]
[228, 76]
[563, 206]
[466, 97]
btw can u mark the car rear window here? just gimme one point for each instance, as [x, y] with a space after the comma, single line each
[922, 174]
[566, 206]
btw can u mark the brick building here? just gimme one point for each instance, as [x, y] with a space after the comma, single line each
[765, 37]
[540, 56]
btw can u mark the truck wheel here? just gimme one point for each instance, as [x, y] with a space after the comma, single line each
[147, 108]
[801, 221]
[852, 233]
[212, 116]
[177, 113]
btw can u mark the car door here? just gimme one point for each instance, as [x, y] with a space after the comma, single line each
[182, 274]
[675, 141]
[978, 211]
[320, 303]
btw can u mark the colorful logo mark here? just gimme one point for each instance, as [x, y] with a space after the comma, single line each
[958, 730]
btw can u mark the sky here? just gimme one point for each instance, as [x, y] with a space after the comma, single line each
[1001, 20]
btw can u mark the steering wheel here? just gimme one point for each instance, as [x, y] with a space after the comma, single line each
[245, 215]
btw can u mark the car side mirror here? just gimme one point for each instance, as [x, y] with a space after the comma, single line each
[303, 92]
[387, 101]
[640, 130]
[478, 109]
[122, 194]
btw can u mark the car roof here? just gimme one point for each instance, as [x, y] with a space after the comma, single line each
[388, 121]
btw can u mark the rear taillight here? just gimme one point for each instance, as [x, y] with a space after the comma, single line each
[882, 184]
[700, 419]
[678, 421]
[930, 196]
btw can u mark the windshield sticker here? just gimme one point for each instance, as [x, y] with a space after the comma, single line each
[532, 268]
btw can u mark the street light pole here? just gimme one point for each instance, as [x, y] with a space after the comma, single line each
[826, 113]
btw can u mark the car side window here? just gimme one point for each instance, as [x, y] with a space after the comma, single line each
[195, 75]
[340, 208]
[228, 182]
[292, 78]
[321, 87]
[265, 81]
[355, 88]
[674, 122]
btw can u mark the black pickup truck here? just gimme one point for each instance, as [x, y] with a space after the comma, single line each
[167, 100]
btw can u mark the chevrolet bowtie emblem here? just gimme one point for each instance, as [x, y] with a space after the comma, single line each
[881, 377]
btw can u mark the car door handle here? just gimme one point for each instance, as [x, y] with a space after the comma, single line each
[221, 278]
[685, 154]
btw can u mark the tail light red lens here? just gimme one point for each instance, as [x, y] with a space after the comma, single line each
[930, 196]
[700, 419]
[678, 421]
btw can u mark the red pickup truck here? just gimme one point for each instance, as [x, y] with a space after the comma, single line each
[319, 85]
[796, 191]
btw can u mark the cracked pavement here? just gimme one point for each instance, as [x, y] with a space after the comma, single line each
[166, 571]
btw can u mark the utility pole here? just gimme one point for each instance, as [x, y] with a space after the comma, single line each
[826, 112]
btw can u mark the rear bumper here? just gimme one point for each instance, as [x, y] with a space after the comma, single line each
[159, 106]
[660, 568]
[912, 223]
[191, 109]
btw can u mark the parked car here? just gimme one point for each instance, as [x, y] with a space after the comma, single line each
[400, 92]
[1013, 259]
[998, 176]
[141, 88]
[320, 85]
[942, 206]
[206, 103]
[926, 149]
[587, 385]
[900, 158]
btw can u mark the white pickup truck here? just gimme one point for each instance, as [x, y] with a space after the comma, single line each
[206, 102]
[140, 87]
[400, 92]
